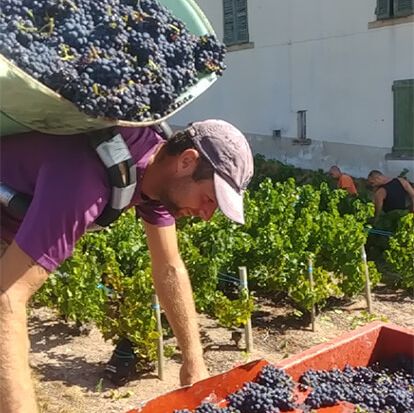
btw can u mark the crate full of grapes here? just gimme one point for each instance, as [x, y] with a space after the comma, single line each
[70, 66]
[368, 370]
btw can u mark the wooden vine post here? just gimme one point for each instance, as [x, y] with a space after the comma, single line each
[248, 326]
[312, 286]
[160, 341]
[367, 280]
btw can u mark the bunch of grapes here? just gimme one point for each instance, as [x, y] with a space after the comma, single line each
[254, 398]
[272, 393]
[122, 59]
[386, 387]
[209, 408]
[378, 388]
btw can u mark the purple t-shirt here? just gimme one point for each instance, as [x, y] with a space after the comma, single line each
[70, 188]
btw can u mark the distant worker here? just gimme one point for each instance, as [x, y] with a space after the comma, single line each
[344, 181]
[390, 193]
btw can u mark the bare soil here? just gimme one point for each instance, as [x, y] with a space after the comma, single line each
[68, 367]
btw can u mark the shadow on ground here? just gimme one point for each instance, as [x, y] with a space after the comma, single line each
[72, 371]
[280, 319]
[47, 334]
[385, 293]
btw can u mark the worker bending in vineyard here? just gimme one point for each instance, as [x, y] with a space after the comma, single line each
[207, 165]
[344, 181]
[390, 193]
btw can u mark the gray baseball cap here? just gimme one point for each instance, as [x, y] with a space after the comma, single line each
[227, 149]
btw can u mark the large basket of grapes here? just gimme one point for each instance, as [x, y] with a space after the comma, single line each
[367, 370]
[71, 66]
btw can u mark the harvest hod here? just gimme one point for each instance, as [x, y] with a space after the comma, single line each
[131, 63]
[374, 343]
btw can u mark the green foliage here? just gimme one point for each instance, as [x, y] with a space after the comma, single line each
[208, 248]
[233, 313]
[364, 317]
[280, 172]
[290, 223]
[72, 289]
[390, 221]
[400, 254]
[285, 225]
[377, 244]
[341, 238]
[108, 279]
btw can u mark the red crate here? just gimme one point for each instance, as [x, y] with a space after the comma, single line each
[362, 347]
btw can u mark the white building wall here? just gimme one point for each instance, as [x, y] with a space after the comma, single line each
[318, 56]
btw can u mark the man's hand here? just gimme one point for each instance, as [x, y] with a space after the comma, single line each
[193, 372]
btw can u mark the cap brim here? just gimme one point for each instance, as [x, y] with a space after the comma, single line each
[229, 200]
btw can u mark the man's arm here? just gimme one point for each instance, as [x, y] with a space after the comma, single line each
[410, 191]
[379, 197]
[173, 288]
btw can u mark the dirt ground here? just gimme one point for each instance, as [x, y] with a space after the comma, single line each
[68, 367]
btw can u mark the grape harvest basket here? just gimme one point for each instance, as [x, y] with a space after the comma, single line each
[374, 342]
[26, 104]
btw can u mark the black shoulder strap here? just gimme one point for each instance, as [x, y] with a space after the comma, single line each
[114, 153]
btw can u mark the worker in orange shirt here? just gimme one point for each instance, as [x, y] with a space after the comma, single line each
[344, 181]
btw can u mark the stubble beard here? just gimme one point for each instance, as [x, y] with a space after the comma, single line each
[166, 197]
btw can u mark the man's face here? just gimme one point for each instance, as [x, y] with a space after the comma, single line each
[374, 181]
[183, 196]
[334, 173]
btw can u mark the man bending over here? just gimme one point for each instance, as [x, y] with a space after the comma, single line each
[390, 193]
[205, 166]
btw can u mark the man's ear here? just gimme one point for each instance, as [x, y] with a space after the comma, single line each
[187, 162]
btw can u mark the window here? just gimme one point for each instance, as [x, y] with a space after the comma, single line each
[403, 91]
[236, 29]
[388, 9]
[301, 118]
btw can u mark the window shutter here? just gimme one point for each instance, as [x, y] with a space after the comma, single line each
[229, 21]
[383, 10]
[403, 115]
[242, 31]
[403, 7]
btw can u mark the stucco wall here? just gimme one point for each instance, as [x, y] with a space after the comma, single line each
[317, 56]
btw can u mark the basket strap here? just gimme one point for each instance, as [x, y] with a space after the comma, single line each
[114, 154]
